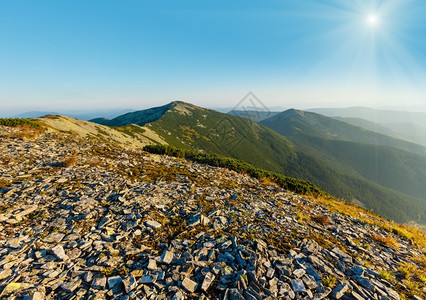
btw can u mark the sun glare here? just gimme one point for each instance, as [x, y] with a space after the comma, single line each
[373, 20]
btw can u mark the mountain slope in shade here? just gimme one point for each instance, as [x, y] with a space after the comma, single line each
[409, 125]
[139, 117]
[372, 126]
[187, 126]
[294, 122]
[355, 152]
[380, 116]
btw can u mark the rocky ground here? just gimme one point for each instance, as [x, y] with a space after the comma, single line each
[82, 220]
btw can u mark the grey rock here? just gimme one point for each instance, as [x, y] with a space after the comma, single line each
[5, 273]
[153, 224]
[152, 264]
[344, 256]
[270, 273]
[208, 279]
[198, 218]
[233, 294]
[99, 283]
[309, 282]
[105, 210]
[59, 252]
[339, 291]
[129, 283]
[189, 284]
[166, 257]
[113, 281]
[147, 279]
[392, 293]
[364, 282]
[298, 286]
[71, 286]
[357, 271]
[299, 273]
[312, 247]
[178, 296]
[38, 296]
[54, 237]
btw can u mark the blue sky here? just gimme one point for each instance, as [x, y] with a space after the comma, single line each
[136, 54]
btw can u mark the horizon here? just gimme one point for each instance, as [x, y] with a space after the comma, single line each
[88, 114]
[138, 54]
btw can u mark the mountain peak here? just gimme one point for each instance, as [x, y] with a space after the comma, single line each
[142, 117]
[289, 113]
[183, 108]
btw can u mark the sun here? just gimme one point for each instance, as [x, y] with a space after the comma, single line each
[372, 20]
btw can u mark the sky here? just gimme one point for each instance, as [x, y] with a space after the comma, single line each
[96, 54]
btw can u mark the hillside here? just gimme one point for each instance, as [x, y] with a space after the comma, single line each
[82, 218]
[190, 127]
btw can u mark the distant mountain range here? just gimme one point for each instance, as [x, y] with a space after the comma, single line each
[410, 126]
[296, 122]
[384, 173]
[78, 114]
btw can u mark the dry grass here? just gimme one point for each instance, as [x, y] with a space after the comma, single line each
[386, 275]
[268, 181]
[387, 240]
[329, 281]
[69, 162]
[302, 216]
[95, 163]
[4, 183]
[416, 235]
[26, 131]
[321, 219]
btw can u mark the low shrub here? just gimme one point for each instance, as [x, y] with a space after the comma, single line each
[295, 185]
[387, 240]
[69, 162]
[13, 122]
[321, 219]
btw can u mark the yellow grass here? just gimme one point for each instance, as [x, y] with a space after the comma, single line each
[416, 235]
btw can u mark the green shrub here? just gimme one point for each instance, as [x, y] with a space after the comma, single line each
[295, 185]
[13, 122]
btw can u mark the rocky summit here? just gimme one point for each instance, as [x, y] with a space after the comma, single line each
[84, 219]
